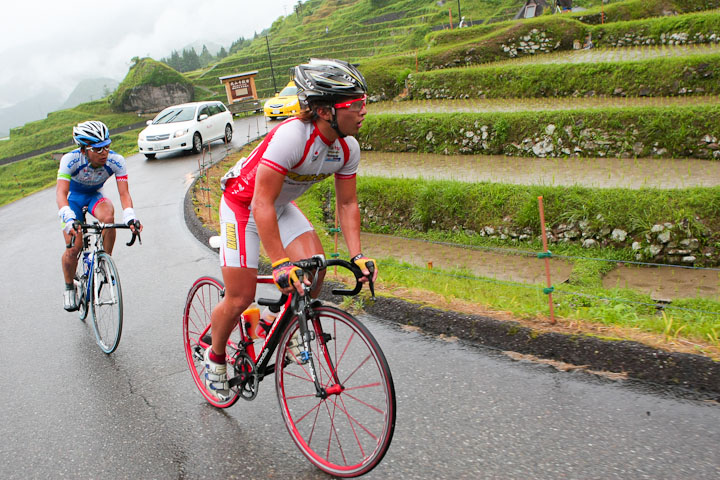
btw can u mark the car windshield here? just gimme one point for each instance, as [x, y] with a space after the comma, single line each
[175, 114]
[288, 91]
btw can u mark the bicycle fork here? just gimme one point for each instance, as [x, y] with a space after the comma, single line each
[306, 356]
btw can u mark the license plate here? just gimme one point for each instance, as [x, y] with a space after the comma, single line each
[276, 112]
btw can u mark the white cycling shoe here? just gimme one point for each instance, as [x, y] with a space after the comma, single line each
[216, 379]
[70, 300]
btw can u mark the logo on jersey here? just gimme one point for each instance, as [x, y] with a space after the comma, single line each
[333, 154]
[314, 156]
[230, 236]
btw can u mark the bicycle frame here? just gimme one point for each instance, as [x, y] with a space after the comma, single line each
[93, 245]
[290, 306]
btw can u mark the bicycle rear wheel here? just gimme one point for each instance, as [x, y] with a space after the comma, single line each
[346, 431]
[107, 306]
[205, 293]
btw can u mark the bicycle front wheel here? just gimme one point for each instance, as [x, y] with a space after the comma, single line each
[107, 306]
[346, 430]
[205, 293]
[81, 282]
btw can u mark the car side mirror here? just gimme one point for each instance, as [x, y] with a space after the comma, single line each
[149, 122]
[202, 117]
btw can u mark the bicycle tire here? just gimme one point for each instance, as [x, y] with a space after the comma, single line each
[347, 433]
[107, 306]
[204, 294]
[81, 288]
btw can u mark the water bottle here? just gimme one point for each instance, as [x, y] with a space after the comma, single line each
[267, 317]
[86, 263]
[251, 317]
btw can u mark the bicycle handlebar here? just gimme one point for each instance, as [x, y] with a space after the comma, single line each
[98, 227]
[321, 263]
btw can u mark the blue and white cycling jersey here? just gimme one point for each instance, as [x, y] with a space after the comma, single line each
[83, 178]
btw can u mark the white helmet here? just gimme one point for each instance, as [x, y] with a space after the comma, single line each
[91, 134]
[328, 79]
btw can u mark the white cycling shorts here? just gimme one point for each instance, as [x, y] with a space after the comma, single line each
[240, 240]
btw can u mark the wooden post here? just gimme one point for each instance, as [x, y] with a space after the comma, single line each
[450, 13]
[546, 255]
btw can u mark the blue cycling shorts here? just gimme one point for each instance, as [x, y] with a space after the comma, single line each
[79, 200]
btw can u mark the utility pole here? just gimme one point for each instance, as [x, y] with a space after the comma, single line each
[272, 72]
[459, 14]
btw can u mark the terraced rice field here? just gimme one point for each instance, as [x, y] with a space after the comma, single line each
[620, 54]
[475, 105]
[631, 173]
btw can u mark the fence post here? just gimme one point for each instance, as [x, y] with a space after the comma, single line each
[546, 255]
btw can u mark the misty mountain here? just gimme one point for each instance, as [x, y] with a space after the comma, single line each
[213, 48]
[89, 90]
[33, 108]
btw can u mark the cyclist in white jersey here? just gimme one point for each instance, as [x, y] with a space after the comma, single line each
[81, 175]
[258, 194]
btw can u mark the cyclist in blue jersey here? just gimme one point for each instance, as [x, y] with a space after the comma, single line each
[81, 175]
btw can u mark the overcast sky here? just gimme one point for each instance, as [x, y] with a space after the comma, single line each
[51, 43]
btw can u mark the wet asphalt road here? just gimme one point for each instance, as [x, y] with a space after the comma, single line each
[69, 411]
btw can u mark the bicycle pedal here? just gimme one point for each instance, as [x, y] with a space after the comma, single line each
[198, 353]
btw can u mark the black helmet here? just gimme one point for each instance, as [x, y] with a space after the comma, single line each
[328, 79]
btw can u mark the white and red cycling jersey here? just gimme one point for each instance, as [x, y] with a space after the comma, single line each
[299, 151]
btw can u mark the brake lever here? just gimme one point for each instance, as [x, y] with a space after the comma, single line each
[132, 239]
[136, 233]
[371, 268]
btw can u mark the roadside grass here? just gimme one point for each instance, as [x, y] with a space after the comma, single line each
[582, 300]
[25, 177]
[57, 127]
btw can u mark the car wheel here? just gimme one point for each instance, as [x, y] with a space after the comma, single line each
[228, 133]
[197, 143]
[149, 156]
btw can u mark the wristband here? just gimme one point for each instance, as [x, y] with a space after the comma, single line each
[66, 215]
[357, 257]
[128, 214]
[280, 262]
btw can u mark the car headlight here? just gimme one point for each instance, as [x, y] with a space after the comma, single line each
[291, 104]
[141, 138]
[180, 133]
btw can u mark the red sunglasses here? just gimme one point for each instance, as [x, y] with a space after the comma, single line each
[353, 105]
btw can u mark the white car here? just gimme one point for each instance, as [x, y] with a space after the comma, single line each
[186, 127]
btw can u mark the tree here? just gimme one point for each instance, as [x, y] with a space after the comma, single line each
[222, 53]
[191, 60]
[205, 57]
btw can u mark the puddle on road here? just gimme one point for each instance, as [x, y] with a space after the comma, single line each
[663, 173]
